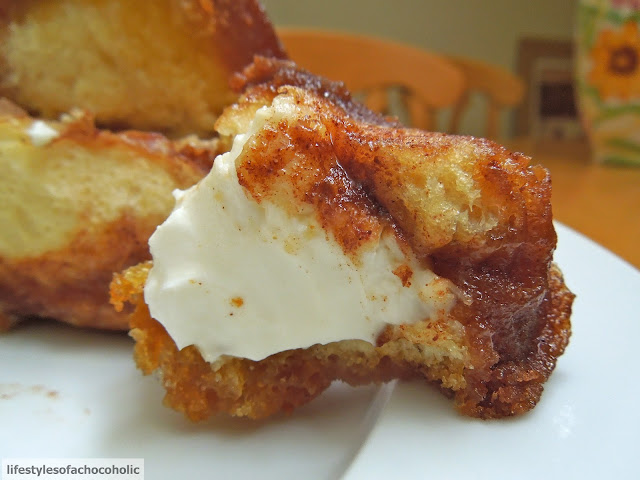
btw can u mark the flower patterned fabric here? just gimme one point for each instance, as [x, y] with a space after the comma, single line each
[608, 78]
[616, 62]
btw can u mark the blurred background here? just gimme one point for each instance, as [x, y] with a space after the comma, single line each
[492, 31]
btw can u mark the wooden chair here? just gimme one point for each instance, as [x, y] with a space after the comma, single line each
[501, 88]
[372, 65]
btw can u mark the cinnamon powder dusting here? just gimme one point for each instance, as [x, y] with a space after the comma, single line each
[404, 273]
[300, 161]
[237, 302]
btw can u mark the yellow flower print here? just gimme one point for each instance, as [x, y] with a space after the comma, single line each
[616, 62]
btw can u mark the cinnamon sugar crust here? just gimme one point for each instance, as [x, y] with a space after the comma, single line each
[473, 212]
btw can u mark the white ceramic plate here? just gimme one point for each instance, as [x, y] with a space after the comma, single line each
[75, 394]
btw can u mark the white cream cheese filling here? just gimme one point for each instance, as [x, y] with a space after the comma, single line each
[236, 277]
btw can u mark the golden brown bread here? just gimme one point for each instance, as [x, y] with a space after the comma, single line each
[76, 205]
[473, 212]
[160, 66]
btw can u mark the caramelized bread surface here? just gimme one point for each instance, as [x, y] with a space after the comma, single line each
[78, 204]
[473, 212]
[160, 66]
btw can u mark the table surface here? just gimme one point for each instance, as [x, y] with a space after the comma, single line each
[599, 201]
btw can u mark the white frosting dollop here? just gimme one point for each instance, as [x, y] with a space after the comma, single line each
[41, 134]
[236, 277]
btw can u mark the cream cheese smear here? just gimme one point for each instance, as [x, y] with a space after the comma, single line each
[236, 277]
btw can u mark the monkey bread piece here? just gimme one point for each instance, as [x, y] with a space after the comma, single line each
[331, 244]
[158, 66]
[76, 205]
